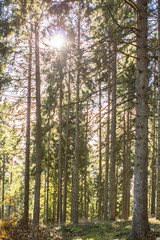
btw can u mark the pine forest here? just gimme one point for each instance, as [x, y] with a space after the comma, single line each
[79, 119]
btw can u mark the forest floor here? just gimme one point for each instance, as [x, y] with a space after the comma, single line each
[97, 230]
[102, 230]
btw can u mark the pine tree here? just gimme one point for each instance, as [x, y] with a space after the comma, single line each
[140, 225]
[38, 132]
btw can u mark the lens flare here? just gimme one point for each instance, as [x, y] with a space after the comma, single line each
[58, 41]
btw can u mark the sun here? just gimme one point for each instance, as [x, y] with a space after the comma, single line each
[58, 41]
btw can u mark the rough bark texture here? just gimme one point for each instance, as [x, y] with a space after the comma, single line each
[158, 157]
[140, 225]
[36, 212]
[27, 157]
[112, 187]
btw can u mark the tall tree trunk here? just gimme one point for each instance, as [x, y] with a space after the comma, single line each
[128, 153]
[158, 157]
[27, 156]
[75, 163]
[107, 161]
[36, 212]
[140, 225]
[59, 207]
[125, 173]
[66, 152]
[107, 142]
[44, 207]
[112, 187]
[54, 201]
[11, 178]
[48, 171]
[85, 171]
[3, 183]
[153, 194]
[100, 157]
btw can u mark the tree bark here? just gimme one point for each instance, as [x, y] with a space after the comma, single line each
[48, 172]
[124, 198]
[59, 207]
[75, 163]
[158, 156]
[27, 156]
[128, 153]
[140, 225]
[85, 172]
[107, 142]
[66, 152]
[112, 187]
[100, 157]
[107, 161]
[3, 183]
[153, 166]
[36, 212]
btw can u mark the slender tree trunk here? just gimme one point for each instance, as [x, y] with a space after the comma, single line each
[112, 187]
[140, 225]
[75, 163]
[125, 174]
[1, 190]
[66, 153]
[54, 202]
[11, 178]
[107, 144]
[107, 161]
[47, 199]
[36, 212]
[100, 157]
[59, 207]
[85, 172]
[3, 183]
[27, 157]
[48, 171]
[153, 194]
[158, 155]
[45, 183]
[128, 153]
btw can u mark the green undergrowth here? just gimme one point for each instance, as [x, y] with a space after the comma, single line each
[105, 230]
[12, 229]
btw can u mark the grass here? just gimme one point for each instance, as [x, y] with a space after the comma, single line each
[103, 230]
